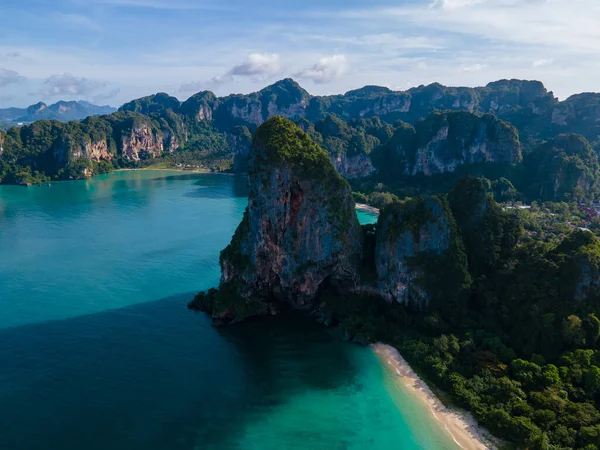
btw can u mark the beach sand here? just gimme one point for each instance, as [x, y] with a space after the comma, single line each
[367, 208]
[460, 425]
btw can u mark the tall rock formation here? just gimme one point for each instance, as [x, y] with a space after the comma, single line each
[299, 232]
[489, 233]
[564, 168]
[580, 273]
[419, 255]
[446, 141]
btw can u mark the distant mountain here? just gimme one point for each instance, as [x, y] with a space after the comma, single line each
[61, 111]
[401, 137]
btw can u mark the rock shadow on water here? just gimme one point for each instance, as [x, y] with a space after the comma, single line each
[154, 376]
[211, 186]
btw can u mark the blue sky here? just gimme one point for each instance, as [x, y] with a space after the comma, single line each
[110, 51]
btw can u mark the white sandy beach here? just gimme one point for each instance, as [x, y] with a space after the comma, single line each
[368, 208]
[460, 425]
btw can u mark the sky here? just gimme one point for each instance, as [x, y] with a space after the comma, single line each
[112, 51]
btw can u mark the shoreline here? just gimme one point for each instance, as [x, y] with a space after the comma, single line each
[367, 208]
[460, 425]
[166, 169]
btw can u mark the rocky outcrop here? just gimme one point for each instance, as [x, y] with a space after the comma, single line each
[564, 168]
[439, 143]
[239, 140]
[580, 275]
[356, 166]
[200, 106]
[142, 143]
[446, 141]
[299, 233]
[489, 233]
[418, 249]
[97, 151]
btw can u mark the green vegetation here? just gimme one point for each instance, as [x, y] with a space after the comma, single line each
[347, 139]
[234, 252]
[563, 169]
[226, 304]
[374, 123]
[376, 199]
[279, 142]
[523, 351]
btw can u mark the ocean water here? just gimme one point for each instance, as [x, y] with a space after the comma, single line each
[98, 350]
[365, 217]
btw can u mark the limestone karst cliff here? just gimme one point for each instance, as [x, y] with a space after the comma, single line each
[368, 132]
[299, 231]
[564, 168]
[418, 246]
[446, 141]
[300, 236]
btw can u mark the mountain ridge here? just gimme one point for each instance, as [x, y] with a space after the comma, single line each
[62, 110]
[439, 130]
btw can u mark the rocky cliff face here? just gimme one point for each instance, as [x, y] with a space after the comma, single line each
[563, 168]
[142, 143]
[580, 275]
[355, 166]
[417, 246]
[443, 142]
[97, 150]
[239, 140]
[449, 140]
[300, 230]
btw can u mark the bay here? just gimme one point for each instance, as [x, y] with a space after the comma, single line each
[98, 350]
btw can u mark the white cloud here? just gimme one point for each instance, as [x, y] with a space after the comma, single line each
[564, 24]
[193, 86]
[70, 85]
[258, 64]
[326, 70]
[454, 42]
[9, 77]
[543, 62]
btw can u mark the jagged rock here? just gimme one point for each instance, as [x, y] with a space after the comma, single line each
[447, 141]
[240, 141]
[419, 254]
[142, 143]
[299, 231]
[2, 140]
[580, 276]
[489, 233]
[444, 142]
[564, 168]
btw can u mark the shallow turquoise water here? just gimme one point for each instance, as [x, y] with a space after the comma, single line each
[97, 349]
[366, 217]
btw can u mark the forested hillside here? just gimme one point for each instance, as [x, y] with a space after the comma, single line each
[420, 140]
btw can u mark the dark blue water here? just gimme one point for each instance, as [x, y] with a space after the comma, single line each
[98, 350]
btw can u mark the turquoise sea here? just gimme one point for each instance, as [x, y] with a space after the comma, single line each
[98, 350]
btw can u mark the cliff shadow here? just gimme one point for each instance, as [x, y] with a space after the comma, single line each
[156, 376]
